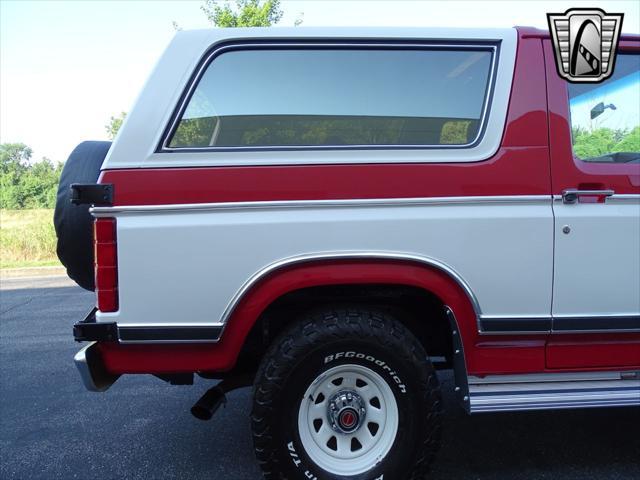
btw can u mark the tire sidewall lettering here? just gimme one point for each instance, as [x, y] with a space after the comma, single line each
[306, 471]
[351, 354]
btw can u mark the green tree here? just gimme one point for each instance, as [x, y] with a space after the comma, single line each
[26, 184]
[14, 161]
[629, 142]
[602, 141]
[14, 157]
[593, 144]
[246, 13]
[114, 125]
[39, 184]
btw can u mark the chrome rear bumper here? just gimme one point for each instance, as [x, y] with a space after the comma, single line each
[94, 375]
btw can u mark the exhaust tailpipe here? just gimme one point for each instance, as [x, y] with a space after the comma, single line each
[209, 403]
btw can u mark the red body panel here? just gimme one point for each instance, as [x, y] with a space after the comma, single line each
[593, 350]
[512, 171]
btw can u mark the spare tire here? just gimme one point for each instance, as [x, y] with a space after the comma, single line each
[74, 223]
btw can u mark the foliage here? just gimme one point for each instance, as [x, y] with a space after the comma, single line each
[14, 156]
[456, 132]
[601, 141]
[24, 184]
[629, 142]
[194, 132]
[246, 13]
[288, 130]
[27, 238]
[114, 125]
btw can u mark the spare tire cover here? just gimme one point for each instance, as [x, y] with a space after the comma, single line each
[74, 223]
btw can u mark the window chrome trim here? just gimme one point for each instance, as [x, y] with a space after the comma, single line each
[170, 129]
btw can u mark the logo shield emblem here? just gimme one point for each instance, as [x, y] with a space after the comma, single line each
[585, 43]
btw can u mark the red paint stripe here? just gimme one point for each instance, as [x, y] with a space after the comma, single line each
[514, 171]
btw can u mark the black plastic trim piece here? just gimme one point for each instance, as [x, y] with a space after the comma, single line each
[515, 325]
[604, 323]
[92, 194]
[459, 365]
[170, 334]
[88, 330]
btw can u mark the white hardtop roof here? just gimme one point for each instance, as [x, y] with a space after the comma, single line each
[214, 35]
[141, 133]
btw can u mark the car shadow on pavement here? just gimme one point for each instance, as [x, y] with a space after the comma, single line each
[587, 443]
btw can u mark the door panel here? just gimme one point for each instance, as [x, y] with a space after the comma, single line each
[596, 187]
[596, 262]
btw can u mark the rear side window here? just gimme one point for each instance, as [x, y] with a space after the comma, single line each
[310, 97]
[605, 117]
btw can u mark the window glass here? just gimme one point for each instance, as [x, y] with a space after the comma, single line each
[605, 117]
[314, 97]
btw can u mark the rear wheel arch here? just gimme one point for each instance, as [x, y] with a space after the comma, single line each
[245, 320]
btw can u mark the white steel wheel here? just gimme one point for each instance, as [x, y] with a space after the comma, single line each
[348, 419]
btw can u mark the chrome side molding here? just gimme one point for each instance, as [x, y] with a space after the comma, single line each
[508, 393]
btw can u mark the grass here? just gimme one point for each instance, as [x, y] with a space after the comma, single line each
[27, 238]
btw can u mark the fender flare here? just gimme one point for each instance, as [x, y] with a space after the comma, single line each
[324, 257]
[325, 269]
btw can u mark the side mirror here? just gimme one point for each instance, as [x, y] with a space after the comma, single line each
[600, 108]
[597, 110]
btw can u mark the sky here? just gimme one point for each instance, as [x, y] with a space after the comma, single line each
[622, 94]
[67, 66]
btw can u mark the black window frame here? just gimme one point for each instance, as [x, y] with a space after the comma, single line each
[323, 44]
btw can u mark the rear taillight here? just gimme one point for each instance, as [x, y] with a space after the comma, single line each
[106, 264]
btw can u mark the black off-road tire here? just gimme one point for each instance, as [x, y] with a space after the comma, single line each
[345, 336]
[73, 223]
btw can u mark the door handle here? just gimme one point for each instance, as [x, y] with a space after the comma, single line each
[572, 195]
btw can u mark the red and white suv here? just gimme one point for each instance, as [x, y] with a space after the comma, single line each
[330, 215]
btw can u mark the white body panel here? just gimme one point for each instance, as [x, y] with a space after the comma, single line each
[170, 260]
[139, 138]
[597, 263]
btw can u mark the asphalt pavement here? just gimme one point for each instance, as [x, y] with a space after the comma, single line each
[51, 428]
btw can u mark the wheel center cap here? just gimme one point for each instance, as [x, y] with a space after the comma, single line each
[348, 418]
[346, 411]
